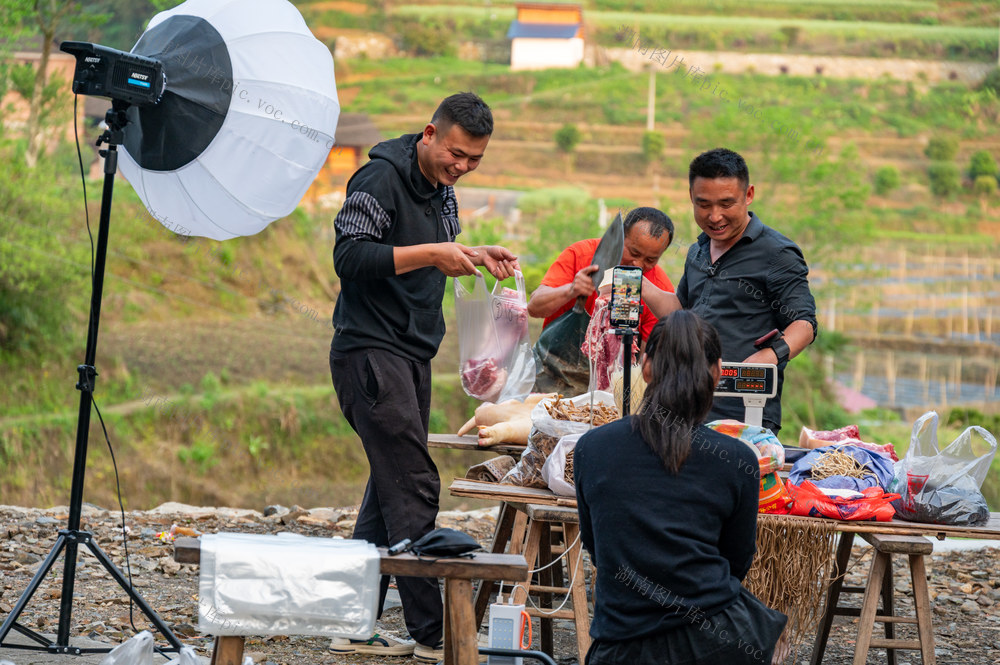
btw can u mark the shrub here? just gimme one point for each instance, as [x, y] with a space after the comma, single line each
[942, 148]
[992, 81]
[653, 145]
[567, 138]
[985, 185]
[886, 180]
[982, 163]
[425, 40]
[946, 181]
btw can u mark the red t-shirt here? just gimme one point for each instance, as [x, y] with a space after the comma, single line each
[578, 256]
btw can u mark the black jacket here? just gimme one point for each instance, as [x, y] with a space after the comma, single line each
[391, 204]
[667, 547]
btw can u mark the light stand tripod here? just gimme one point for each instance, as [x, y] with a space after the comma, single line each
[72, 537]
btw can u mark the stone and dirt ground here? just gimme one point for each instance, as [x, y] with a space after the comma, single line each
[965, 586]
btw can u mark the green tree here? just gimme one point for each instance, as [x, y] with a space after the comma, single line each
[942, 148]
[886, 180]
[39, 279]
[567, 138]
[44, 19]
[946, 180]
[982, 163]
[653, 145]
[985, 186]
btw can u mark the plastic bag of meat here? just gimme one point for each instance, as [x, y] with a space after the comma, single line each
[495, 360]
[943, 486]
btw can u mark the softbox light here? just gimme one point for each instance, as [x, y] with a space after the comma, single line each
[246, 120]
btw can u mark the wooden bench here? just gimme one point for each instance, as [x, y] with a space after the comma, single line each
[880, 586]
[460, 628]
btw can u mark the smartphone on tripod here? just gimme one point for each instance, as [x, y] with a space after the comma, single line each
[626, 296]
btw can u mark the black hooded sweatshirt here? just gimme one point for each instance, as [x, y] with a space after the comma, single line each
[390, 203]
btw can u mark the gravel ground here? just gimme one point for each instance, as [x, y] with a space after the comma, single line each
[965, 586]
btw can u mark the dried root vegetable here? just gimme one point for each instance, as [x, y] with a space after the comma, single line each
[564, 410]
[568, 473]
[837, 463]
[564, 418]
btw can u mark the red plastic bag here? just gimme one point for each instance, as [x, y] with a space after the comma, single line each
[809, 501]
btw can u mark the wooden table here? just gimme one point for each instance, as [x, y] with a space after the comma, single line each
[512, 525]
[471, 442]
[460, 629]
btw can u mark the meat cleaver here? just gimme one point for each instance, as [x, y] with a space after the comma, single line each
[610, 249]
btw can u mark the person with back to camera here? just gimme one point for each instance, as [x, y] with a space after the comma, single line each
[668, 512]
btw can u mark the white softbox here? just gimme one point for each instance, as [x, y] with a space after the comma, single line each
[246, 121]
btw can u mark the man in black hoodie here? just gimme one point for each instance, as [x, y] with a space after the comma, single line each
[395, 247]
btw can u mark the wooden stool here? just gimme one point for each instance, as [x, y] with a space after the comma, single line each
[538, 548]
[880, 586]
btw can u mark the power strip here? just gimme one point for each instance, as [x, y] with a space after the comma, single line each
[505, 632]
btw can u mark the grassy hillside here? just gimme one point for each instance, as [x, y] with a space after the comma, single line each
[951, 31]
[214, 380]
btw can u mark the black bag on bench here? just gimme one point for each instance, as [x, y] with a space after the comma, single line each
[444, 543]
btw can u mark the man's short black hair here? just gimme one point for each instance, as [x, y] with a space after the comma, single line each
[658, 221]
[719, 163]
[468, 111]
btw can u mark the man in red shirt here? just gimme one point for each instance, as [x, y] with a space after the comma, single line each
[648, 233]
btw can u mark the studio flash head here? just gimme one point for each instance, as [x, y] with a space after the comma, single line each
[108, 72]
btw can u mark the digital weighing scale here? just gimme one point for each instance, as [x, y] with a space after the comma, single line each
[754, 383]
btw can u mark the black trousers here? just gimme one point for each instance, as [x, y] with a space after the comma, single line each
[745, 633]
[386, 399]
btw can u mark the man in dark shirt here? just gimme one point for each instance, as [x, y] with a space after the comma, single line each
[743, 277]
[395, 247]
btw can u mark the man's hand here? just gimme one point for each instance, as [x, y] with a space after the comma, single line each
[583, 282]
[498, 260]
[455, 259]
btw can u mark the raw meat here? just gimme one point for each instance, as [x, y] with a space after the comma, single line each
[845, 435]
[510, 431]
[491, 414]
[603, 347]
[483, 378]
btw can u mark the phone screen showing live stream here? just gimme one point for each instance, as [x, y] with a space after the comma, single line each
[626, 294]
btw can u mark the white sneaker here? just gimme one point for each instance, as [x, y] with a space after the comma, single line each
[378, 644]
[428, 654]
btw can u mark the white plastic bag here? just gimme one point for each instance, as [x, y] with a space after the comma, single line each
[287, 584]
[554, 469]
[187, 656]
[942, 486]
[495, 359]
[136, 651]
[546, 432]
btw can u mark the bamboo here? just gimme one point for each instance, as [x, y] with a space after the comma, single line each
[890, 376]
[859, 370]
[925, 379]
[965, 307]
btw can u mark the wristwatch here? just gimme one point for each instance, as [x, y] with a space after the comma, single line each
[781, 350]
